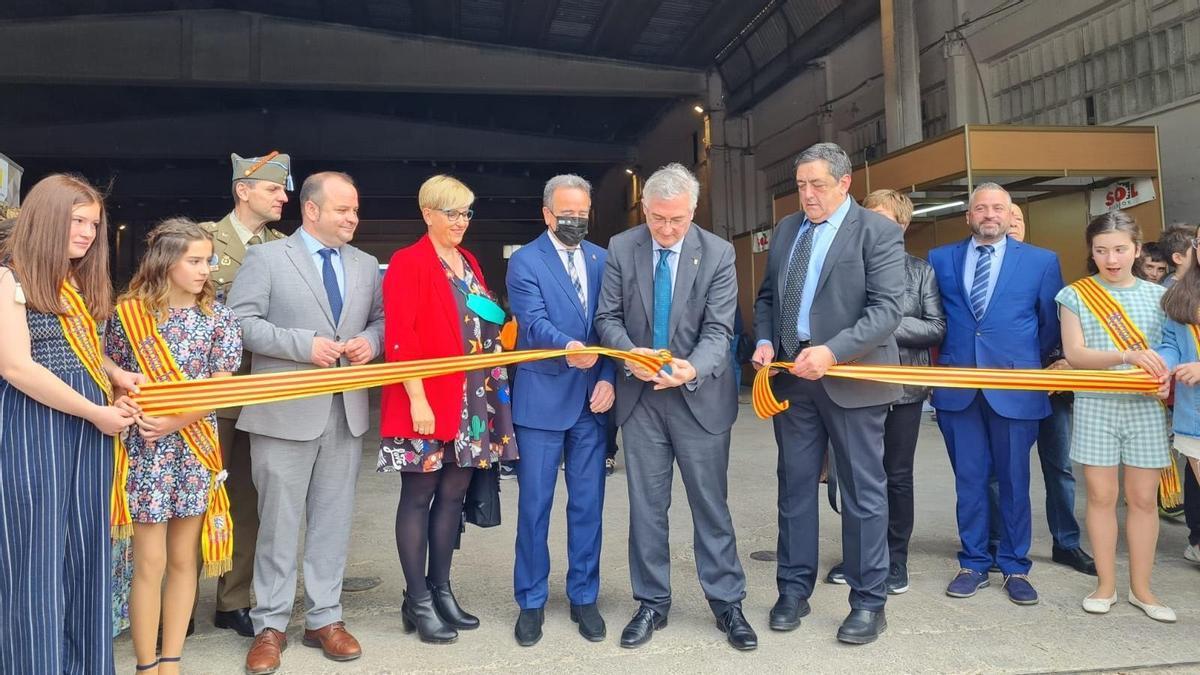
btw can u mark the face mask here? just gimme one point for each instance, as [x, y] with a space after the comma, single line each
[571, 230]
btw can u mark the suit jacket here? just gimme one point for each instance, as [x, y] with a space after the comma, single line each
[550, 394]
[856, 308]
[1018, 330]
[281, 301]
[700, 325]
[422, 322]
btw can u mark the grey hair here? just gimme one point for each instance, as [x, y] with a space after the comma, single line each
[671, 181]
[251, 182]
[988, 186]
[313, 189]
[831, 153]
[563, 181]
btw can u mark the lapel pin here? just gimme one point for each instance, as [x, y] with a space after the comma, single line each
[695, 261]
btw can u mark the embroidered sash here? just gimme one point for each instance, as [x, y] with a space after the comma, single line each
[80, 330]
[1116, 321]
[156, 362]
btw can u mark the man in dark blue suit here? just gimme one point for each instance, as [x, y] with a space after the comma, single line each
[999, 298]
[559, 407]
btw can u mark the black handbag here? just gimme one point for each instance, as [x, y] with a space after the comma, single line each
[482, 505]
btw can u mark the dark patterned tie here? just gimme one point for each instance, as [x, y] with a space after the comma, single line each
[793, 291]
[983, 273]
[574, 274]
[329, 278]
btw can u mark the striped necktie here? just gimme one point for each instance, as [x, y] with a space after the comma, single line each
[983, 273]
[574, 274]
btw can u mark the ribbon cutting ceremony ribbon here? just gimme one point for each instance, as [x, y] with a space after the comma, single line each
[171, 398]
[1136, 381]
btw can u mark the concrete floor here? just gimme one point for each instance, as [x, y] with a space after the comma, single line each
[928, 632]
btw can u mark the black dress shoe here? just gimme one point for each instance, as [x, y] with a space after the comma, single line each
[862, 626]
[787, 612]
[737, 630]
[1074, 558]
[641, 627]
[529, 627]
[237, 620]
[837, 575]
[591, 624]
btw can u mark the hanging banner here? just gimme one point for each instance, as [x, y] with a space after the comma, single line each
[760, 241]
[1121, 195]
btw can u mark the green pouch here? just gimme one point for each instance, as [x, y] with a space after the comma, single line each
[486, 309]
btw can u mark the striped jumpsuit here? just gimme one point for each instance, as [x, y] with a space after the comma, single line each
[55, 480]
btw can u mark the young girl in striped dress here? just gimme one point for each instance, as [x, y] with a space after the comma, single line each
[170, 327]
[56, 423]
[1112, 320]
[1180, 349]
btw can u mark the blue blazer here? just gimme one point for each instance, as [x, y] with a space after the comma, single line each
[549, 394]
[1019, 329]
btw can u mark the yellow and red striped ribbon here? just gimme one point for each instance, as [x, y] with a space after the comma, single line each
[1111, 314]
[154, 356]
[169, 398]
[1111, 381]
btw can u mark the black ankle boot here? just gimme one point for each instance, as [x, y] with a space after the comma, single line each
[419, 615]
[447, 607]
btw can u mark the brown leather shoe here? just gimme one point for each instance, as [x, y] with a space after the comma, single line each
[335, 641]
[263, 657]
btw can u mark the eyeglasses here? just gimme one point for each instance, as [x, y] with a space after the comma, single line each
[660, 221]
[454, 216]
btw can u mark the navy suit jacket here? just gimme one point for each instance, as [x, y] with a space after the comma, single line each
[1019, 329]
[549, 394]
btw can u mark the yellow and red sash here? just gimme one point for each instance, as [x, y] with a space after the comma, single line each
[1111, 315]
[81, 333]
[156, 362]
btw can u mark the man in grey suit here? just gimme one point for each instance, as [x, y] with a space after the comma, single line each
[831, 294]
[671, 285]
[309, 301]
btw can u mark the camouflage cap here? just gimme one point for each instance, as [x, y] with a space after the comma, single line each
[274, 167]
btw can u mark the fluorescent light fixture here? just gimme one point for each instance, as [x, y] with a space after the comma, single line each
[629, 171]
[699, 109]
[120, 227]
[937, 207]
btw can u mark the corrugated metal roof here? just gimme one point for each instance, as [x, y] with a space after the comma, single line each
[670, 26]
[573, 23]
[481, 20]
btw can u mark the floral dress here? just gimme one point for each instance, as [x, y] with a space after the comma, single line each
[165, 479]
[485, 434]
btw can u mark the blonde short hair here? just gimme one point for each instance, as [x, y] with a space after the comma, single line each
[444, 192]
[890, 200]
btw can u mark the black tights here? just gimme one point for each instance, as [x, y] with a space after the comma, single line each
[421, 528]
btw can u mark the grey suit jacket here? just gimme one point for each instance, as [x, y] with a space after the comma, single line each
[281, 301]
[856, 309]
[701, 322]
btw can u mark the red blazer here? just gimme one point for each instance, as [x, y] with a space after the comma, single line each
[421, 321]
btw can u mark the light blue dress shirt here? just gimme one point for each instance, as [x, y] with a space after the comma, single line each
[314, 247]
[822, 240]
[972, 259]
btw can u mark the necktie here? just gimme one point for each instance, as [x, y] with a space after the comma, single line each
[574, 274]
[979, 287]
[662, 299]
[254, 240]
[331, 285]
[793, 292]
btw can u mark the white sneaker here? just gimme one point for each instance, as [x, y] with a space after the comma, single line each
[1192, 554]
[1093, 605]
[1156, 612]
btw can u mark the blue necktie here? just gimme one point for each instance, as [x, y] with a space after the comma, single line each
[662, 299]
[983, 269]
[331, 285]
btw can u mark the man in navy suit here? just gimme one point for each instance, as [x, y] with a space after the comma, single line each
[559, 407]
[999, 298]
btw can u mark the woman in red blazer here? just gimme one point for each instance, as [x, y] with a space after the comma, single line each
[437, 431]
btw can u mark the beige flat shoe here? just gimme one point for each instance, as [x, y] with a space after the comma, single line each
[1093, 605]
[1156, 612]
